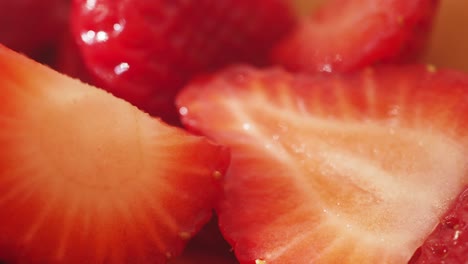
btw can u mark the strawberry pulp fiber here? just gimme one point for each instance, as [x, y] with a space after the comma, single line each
[309, 152]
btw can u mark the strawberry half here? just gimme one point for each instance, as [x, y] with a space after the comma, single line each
[88, 178]
[344, 35]
[145, 51]
[351, 168]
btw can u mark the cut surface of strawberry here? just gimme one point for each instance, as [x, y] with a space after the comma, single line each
[344, 35]
[145, 51]
[448, 243]
[354, 168]
[86, 177]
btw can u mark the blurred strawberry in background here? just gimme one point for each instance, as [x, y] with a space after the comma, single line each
[346, 35]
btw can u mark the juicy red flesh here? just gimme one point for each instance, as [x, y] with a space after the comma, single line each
[448, 243]
[144, 51]
[284, 204]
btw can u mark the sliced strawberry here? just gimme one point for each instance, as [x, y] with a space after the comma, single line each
[145, 51]
[448, 243]
[334, 169]
[87, 178]
[345, 35]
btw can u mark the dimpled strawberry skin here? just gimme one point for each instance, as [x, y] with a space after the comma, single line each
[145, 51]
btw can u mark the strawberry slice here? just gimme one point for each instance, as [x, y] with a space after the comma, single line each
[88, 178]
[344, 35]
[353, 168]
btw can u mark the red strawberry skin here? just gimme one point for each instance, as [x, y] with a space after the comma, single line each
[448, 243]
[144, 51]
[86, 177]
[31, 26]
[345, 35]
[352, 168]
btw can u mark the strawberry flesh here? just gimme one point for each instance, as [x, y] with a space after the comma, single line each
[354, 168]
[86, 177]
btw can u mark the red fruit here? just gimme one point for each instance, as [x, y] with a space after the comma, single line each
[32, 26]
[144, 51]
[87, 178]
[448, 243]
[345, 35]
[334, 169]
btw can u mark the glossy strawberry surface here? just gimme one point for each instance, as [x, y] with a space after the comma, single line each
[86, 177]
[144, 51]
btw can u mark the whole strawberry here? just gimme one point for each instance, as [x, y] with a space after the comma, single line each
[144, 51]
